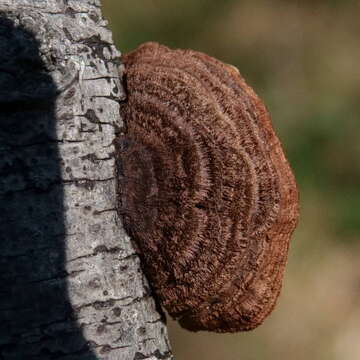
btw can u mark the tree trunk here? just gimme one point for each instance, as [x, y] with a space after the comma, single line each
[71, 283]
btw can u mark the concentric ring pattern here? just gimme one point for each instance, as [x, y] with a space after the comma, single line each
[204, 188]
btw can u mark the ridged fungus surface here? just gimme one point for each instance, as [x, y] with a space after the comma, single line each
[204, 188]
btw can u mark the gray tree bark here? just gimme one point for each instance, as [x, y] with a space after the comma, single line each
[71, 285]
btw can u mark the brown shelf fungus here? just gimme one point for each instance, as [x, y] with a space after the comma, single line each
[204, 188]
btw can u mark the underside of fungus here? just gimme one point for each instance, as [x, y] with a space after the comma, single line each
[204, 188]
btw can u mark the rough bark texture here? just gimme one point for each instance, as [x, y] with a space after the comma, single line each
[71, 284]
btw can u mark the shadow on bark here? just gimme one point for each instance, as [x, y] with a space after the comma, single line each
[36, 317]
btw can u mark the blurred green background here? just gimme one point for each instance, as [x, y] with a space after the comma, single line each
[303, 60]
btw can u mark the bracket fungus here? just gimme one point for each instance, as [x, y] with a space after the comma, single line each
[204, 188]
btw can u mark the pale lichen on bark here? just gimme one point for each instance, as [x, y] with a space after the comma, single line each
[71, 282]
